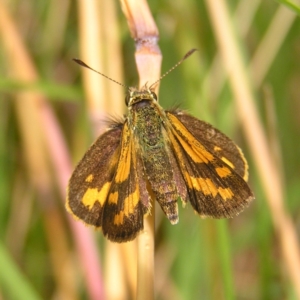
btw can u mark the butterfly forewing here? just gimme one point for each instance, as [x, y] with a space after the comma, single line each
[216, 142]
[90, 182]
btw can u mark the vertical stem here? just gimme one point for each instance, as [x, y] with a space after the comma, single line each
[145, 257]
[148, 60]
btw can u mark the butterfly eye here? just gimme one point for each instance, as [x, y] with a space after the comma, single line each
[127, 98]
[154, 96]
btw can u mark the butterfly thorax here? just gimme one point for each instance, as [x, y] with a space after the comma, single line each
[145, 118]
[147, 125]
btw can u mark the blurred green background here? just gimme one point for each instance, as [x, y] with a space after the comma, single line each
[196, 259]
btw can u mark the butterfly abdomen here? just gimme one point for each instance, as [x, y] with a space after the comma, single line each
[152, 147]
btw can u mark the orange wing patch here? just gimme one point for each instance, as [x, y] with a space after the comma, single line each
[130, 204]
[92, 195]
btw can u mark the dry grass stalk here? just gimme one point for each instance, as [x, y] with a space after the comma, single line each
[148, 60]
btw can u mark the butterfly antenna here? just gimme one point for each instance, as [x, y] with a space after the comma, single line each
[81, 63]
[189, 53]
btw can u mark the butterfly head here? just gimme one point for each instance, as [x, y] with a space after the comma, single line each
[135, 96]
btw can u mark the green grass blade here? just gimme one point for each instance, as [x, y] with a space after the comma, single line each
[225, 259]
[13, 283]
[295, 8]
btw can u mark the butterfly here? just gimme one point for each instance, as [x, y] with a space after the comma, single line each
[168, 155]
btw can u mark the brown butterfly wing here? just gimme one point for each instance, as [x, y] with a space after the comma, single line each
[215, 189]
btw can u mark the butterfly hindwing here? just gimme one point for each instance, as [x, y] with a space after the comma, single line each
[214, 188]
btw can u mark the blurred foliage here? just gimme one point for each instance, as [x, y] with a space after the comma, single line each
[236, 259]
